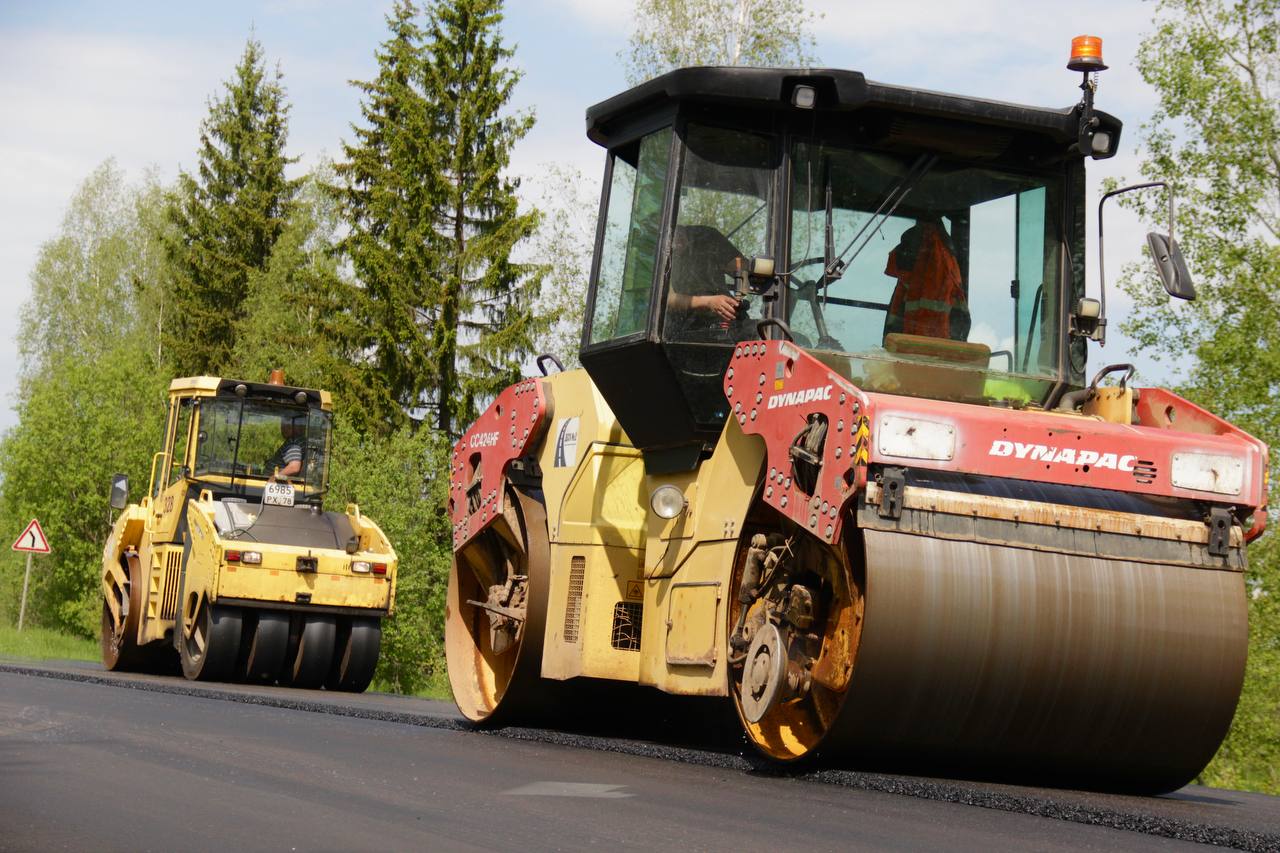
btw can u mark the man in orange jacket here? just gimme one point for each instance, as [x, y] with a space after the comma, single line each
[929, 299]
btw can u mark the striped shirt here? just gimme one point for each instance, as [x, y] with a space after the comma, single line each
[290, 451]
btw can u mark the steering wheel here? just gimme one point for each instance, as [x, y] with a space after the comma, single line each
[807, 290]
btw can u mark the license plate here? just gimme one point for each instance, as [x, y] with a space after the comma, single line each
[278, 494]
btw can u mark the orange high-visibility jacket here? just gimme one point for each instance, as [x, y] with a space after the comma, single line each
[929, 284]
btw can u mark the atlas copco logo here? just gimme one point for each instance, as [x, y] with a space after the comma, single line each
[1063, 456]
[795, 398]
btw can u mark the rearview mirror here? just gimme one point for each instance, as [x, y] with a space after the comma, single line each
[1171, 266]
[119, 491]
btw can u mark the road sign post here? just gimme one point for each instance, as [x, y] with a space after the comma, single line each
[33, 541]
[26, 579]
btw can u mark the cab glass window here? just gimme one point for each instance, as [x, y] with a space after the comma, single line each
[724, 218]
[723, 214]
[926, 276]
[255, 439]
[629, 238]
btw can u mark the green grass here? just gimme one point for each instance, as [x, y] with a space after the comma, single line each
[44, 644]
[436, 687]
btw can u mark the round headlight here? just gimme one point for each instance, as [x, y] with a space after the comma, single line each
[667, 501]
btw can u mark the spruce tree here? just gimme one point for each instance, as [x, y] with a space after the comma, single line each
[485, 323]
[227, 217]
[386, 195]
[302, 313]
[433, 216]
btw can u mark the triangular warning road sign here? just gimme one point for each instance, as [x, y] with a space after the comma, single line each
[32, 539]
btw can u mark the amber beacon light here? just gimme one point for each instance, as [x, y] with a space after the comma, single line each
[1086, 54]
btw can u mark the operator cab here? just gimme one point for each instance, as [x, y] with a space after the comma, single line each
[918, 243]
[264, 442]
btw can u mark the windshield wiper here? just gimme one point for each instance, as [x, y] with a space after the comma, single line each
[836, 266]
[750, 217]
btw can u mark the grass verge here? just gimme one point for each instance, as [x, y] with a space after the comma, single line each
[44, 644]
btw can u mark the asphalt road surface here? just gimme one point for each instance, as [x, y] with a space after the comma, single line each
[94, 761]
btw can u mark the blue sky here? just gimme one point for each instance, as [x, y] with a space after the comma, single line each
[84, 81]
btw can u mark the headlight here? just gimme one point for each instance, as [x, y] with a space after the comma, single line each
[667, 501]
[251, 558]
[1208, 472]
[913, 438]
[361, 566]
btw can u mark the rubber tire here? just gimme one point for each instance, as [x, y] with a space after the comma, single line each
[310, 667]
[263, 648]
[222, 627]
[355, 655]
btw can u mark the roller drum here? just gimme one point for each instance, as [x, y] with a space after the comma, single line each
[1077, 668]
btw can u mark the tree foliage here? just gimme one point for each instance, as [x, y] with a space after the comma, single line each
[562, 248]
[301, 314]
[385, 193]
[484, 323]
[1215, 136]
[671, 34]
[401, 481]
[228, 216]
[91, 394]
[433, 215]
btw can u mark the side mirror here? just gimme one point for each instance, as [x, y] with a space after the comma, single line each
[1171, 266]
[119, 491]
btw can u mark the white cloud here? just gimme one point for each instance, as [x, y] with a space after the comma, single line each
[610, 16]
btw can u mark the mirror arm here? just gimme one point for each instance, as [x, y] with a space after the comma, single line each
[1102, 264]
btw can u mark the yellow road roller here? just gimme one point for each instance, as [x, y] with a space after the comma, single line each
[834, 454]
[229, 565]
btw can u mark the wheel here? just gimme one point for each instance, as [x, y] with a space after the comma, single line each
[310, 666]
[794, 633]
[495, 613]
[210, 648]
[119, 646]
[263, 648]
[355, 655]
[119, 639]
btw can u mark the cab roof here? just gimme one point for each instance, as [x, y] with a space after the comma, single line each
[213, 386]
[837, 91]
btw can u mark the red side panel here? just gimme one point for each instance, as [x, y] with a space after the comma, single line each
[773, 386]
[1076, 451]
[507, 430]
[1166, 410]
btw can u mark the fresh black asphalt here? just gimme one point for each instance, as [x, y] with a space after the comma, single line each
[167, 764]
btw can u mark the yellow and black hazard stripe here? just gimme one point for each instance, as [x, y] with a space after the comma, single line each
[862, 442]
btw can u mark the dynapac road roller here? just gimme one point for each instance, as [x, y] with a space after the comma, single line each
[835, 454]
[230, 559]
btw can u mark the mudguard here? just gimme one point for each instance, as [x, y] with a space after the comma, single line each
[508, 430]
[773, 387]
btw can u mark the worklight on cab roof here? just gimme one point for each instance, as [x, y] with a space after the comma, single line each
[1086, 54]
